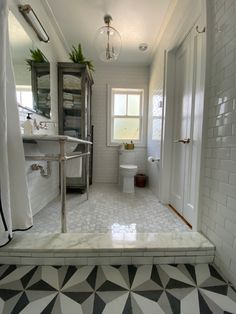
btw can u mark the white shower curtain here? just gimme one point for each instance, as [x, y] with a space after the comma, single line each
[15, 210]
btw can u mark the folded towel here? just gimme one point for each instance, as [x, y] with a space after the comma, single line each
[72, 118]
[74, 168]
[44, 81]
[71, 82]
[72, 133]
[68, 103]
[68, 96]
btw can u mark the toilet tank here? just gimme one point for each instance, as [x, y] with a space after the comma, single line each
[127, 157]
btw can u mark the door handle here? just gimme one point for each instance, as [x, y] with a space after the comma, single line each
[184, 141]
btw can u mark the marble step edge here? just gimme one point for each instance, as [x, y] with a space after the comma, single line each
[106, 260]
[120, 243]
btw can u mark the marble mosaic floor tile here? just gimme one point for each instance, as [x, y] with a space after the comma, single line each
[126, 289]
[110, 210]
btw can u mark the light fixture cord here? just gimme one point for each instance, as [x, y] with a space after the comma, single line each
[109, 52]
[108, 55]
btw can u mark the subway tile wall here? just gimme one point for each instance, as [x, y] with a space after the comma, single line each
[219, 179]
[41, 190]
[105, 158]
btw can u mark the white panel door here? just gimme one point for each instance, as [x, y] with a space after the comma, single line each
[183, 172]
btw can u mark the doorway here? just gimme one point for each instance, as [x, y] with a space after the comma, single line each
[184, 117]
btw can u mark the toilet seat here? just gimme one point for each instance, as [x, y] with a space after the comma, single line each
[128, 170]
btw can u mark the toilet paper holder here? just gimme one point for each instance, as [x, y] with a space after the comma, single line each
[153, 159]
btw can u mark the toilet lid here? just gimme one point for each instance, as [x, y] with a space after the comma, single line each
[128, 167]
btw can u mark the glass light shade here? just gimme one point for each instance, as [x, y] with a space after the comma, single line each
[108, 43]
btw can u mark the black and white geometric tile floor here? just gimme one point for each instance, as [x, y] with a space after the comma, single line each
[151, 289]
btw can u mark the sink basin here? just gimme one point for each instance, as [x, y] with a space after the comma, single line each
[47, 148]
[50, 144]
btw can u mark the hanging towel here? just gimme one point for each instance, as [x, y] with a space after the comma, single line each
[15, 210]
[74, 168]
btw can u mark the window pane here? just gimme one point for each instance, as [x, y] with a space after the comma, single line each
[27, 99]
[133, 105]
[156, 129]
[119, 105]
[126, 129]
[18, 97]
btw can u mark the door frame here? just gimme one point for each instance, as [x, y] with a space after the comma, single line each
[168, 115]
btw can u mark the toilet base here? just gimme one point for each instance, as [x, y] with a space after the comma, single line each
[128, 184]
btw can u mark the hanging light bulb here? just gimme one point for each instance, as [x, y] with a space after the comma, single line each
[108, 41]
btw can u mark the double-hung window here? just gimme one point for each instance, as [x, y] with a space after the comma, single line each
[126, 116]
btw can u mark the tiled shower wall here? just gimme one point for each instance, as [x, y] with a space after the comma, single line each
[219, 178]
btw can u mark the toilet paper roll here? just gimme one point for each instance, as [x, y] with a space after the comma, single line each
[153, 159]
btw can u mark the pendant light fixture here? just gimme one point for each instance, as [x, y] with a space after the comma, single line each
[108, 41]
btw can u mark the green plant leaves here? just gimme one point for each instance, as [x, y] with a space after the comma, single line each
[36, 56]
[76, 55]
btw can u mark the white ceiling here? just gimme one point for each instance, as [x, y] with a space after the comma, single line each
[138, 21]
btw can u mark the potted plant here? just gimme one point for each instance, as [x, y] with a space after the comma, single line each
[37, 57]
[76, 55]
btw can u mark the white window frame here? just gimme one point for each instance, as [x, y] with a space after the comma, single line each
[110, 115]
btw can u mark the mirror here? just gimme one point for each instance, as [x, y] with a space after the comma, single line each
[32, 83]
[40, 79]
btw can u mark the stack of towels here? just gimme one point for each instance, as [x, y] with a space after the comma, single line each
[72, 122]
[71, 82]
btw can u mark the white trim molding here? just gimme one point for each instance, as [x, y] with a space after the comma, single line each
[111, 91]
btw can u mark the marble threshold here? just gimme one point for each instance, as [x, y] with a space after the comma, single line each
[107, 249]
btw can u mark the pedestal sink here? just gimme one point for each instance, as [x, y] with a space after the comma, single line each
[50, 144]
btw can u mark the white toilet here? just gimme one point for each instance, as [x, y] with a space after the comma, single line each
[127, 169]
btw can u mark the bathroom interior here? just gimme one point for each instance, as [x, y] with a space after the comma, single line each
[132, 128]
[113, 204]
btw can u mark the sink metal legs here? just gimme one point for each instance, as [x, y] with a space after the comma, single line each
[62, 158]
[63, 187]
[87, 171]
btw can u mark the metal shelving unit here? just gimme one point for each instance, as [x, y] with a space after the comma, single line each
[74, 100]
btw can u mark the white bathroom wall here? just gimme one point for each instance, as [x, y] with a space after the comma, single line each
[105, 158]
[156, 88]
[41, 190]
[218, 201]
[22, 77]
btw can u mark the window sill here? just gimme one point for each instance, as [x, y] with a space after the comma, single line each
[141, 145]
